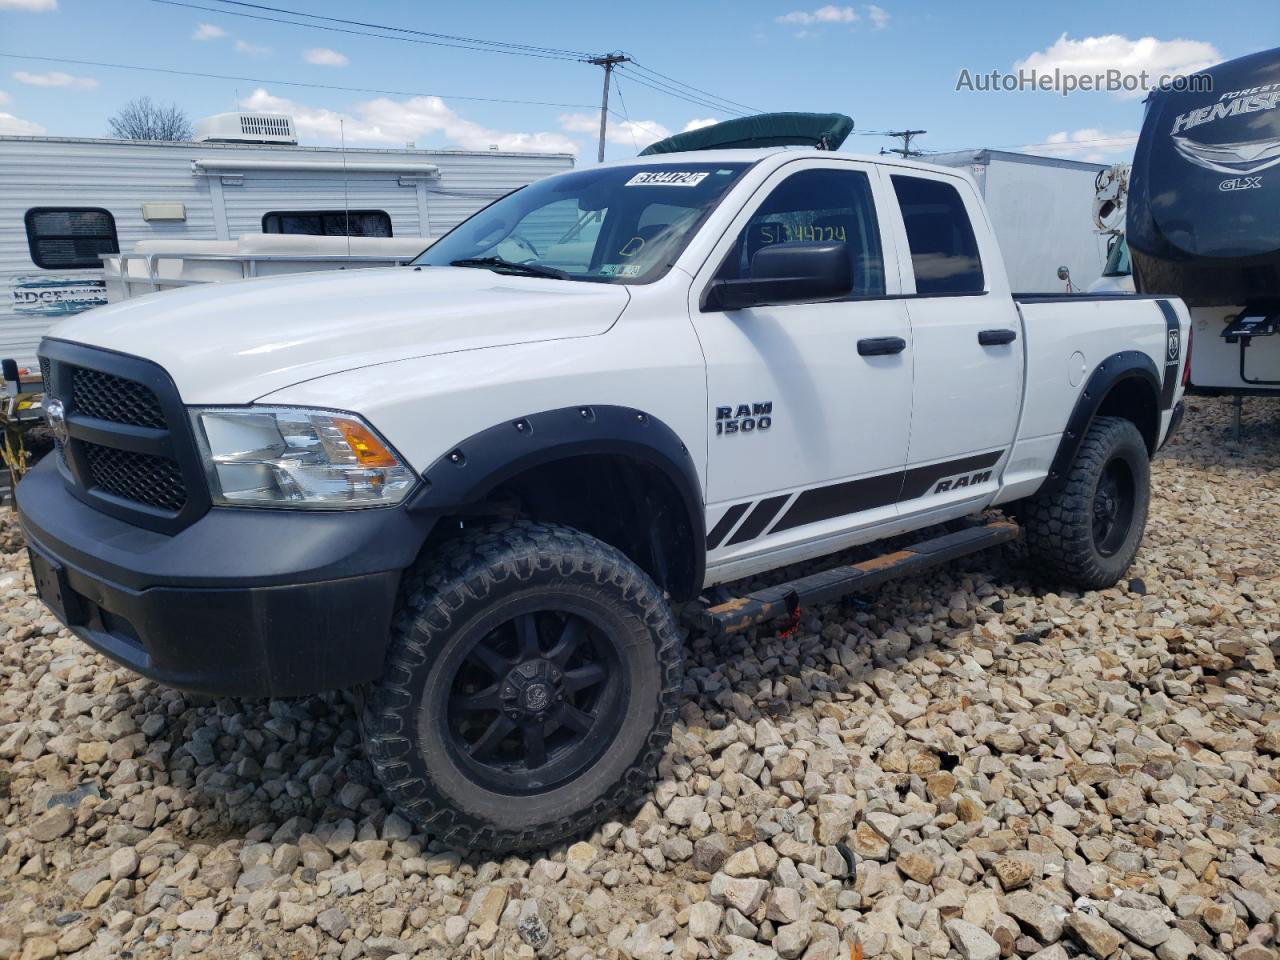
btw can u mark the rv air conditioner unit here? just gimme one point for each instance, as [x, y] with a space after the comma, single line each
[246, 128]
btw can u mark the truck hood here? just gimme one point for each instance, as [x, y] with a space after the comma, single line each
[235, 342]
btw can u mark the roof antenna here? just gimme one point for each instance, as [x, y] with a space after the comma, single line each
[346, 202]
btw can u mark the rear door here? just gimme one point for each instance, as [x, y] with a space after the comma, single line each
[808, 431]
[967, 343]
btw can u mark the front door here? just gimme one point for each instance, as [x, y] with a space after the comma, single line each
[810, 404]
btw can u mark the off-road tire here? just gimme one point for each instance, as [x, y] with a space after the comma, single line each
[1059, 524]
[461, 589]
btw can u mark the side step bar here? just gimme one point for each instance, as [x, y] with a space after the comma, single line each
[784, 599]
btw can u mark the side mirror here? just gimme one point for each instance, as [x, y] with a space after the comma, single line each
[1064, 274]
[787, 273]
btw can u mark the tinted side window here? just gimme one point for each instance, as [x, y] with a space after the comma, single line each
[329, 223]
[944, 251]
[70, 238]
[817, 206]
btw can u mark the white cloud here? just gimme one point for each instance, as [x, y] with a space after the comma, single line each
[878, 16]
[625, 133]
[55, 78]
[697, 123]
[244, 46]
[207, 31]
[31, 6]
[324, 57]
[386, 121]
[828, 14]
[1089, 144]
[17, 127]
[1092, 56]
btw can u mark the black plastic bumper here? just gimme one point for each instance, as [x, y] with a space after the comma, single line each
[243, 602]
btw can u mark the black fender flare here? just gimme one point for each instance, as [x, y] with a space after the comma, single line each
[470, 471]
[1126, 365]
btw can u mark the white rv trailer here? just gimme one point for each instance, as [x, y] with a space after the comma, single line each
[65, 202]
[1039, 208]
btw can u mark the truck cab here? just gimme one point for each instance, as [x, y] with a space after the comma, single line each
[480, 484]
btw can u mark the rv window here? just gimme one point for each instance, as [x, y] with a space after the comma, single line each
[944, 251]
[329, 223]
[70, 238]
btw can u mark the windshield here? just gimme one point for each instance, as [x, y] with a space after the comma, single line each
[607, 225]
[1117, 260]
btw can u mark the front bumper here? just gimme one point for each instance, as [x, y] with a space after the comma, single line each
[243, 602]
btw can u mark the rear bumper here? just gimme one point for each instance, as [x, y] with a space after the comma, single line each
[241, 603]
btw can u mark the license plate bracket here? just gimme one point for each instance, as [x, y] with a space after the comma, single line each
[53, 589]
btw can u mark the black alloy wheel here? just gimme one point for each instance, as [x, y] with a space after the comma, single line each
[1113, 503]
[535, 701]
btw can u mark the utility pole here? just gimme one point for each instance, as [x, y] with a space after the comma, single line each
[608, 62]
[905, 150]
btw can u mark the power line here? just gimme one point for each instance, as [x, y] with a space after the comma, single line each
[492, 46]
[712, 96]
[423, 33]
[687, 98]
[365, 33]
[661, 86]
[291, 83]
[631, 128]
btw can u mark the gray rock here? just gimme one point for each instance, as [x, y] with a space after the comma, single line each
[971, 942]
[1142, 926]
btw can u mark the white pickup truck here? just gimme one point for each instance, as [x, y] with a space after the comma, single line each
[480, 484]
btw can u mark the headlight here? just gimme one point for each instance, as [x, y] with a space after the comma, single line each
[293, 457]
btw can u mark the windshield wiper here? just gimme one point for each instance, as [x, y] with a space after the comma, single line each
[497, 263]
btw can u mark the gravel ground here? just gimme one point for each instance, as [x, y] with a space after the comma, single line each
[1016, 772]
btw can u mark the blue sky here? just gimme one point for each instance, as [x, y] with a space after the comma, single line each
[889, 65]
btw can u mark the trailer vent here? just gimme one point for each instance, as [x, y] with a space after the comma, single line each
[246, 128]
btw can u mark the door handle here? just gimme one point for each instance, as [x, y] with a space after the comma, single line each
[997, 338]
[880, 346]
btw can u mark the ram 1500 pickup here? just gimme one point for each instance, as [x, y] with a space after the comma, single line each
[478, 485]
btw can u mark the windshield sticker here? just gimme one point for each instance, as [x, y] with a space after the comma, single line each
[630, 270]
[667, 178]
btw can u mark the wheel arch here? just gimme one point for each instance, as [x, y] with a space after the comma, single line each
[1126, 385]
[617, 473]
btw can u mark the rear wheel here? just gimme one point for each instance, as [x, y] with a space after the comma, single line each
[532, 681]
[1088, 529]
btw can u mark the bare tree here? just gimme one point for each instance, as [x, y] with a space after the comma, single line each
[141, 119]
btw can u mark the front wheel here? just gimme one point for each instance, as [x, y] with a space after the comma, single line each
[532, 680]
[1088, 529]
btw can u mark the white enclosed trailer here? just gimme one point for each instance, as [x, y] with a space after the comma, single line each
[65, 202]
[1040, 210]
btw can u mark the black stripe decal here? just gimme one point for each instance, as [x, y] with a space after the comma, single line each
[917, 481]
[725, 524]
[869, 493]
[1172, 353]
[838, 499]
[758, 519]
